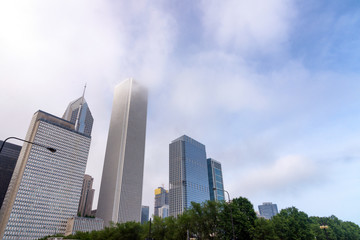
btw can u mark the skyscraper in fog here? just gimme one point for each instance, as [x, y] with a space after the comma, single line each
[122, 178]
[45, 188]
[161, 199]
[188, 174]
[87, 196]
[268, 210]
[216, 184]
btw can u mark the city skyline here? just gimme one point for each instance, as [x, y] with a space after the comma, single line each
[272, 91]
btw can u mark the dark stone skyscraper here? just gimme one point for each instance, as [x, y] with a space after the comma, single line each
[188, 174]
[8, 159]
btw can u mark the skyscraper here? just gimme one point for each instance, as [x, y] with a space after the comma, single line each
[79, 114]
[268, 210]
[144, 214]
[188, 175]
[8, 159]
[87, 196]
[122, 178]
[45, 188]
[215, 180]
[161, 199]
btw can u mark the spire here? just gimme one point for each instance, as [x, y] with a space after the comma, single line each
[78, 114]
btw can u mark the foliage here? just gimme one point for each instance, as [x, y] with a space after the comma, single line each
[215, 221]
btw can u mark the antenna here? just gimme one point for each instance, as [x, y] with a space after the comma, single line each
[78, 114]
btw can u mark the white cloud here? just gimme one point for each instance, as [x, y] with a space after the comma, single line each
[283, 175]
[248, 25]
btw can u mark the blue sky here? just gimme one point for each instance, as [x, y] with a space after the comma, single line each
[270, 87]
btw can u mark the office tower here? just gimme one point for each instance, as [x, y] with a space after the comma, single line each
[188, 175]
[144, 214]
[79, 114]
[268, 210]
[122, 178]
[216, 184]
[87, 196]
[164, 211]
[161, 199]
[81, 224]
[8, 158]
[45, 188]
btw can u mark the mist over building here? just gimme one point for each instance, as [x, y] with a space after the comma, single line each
[45, 187]
[122, 179]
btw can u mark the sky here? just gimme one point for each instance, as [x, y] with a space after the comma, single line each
[271, 88]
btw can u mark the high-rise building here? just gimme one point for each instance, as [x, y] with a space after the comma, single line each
[144, 214]
[188, 175]
[161, 199]
[79, 114]
[45, 188]
[216, 183]
[268, 210]
[122, 179]
[83, 224]
[87, 196]
[8, 158]
[164, 211]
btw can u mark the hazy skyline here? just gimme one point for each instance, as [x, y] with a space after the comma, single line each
[270, 87]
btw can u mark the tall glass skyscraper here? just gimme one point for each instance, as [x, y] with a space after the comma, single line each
[122, 178]
[188, 175]
[215, 180]
[45, 188]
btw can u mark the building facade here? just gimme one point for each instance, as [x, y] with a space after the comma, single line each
[81, 224]
[122, 179]
[188, 175]
[144, 214]
[45, 187]
[216, 183]
[268, 210]
[161, 199]
[164, 211]
[87, 197]
[8, 159]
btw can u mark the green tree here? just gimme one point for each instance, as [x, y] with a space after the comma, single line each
[292, 224]
[263, 230]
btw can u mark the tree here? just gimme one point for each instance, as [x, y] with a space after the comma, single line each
[263, 230]
[292, 224]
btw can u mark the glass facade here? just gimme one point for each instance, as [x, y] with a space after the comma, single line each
[161, 199]
[215, 180]
[268, 210]
[187, 174]
[45, 189]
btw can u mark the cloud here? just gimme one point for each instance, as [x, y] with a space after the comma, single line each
[248, 25]
[285, 174]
